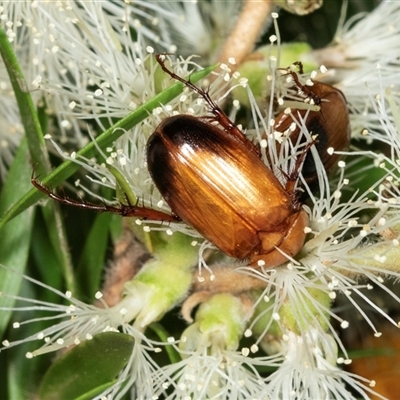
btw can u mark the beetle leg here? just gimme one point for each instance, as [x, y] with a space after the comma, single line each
[219, 115]
[125, 210]
[293, 176]
[302, 88]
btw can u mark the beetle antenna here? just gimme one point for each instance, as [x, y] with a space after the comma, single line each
[161, 61]
[293, 176]
[125, 210]
[303, 88]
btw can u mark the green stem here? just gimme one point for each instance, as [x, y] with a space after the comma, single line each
[163, 335]
[38, 152]
[104, 140]
[27, 108]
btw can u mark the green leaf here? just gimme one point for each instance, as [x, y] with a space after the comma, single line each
[92, 261]
[54, 223]
[364, 175]
[87, 369]
[15, 237]
[45, 257]
[104, 140]
[23, 374]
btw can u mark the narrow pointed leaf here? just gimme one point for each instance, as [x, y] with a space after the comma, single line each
[84, 370]
[15, 237]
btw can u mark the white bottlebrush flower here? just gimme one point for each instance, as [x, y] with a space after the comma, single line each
[73, 322]
[49, 39]
[185, 27]
[84, 59]
[352, 249]
[367, 42]
[78, 321]
[10, 122]
[85, 51]
[221, 375]
[81, 58]
[211, 366]
[345, 243]
[309, 371]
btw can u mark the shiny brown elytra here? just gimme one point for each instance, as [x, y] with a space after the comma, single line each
[213, 179]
